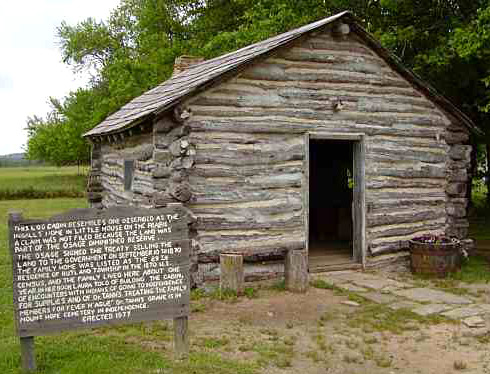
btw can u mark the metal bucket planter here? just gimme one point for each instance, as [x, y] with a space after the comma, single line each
[434, 259]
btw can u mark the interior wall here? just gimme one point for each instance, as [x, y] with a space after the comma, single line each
[330, 191]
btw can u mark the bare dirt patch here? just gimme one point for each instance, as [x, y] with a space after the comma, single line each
[282, 332]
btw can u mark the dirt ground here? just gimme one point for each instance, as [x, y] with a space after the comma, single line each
[317, 333]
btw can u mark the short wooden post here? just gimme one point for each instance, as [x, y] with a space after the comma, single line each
[296, 270]
[27, 352]
[231, 272]
[28, 355]
[181, 337]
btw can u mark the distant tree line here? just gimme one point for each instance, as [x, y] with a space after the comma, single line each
[447, 42]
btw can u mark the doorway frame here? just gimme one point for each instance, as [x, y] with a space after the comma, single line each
[359, 193]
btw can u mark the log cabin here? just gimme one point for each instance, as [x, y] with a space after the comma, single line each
[316, 139]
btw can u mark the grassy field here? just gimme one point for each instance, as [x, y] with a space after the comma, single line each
[42, 182]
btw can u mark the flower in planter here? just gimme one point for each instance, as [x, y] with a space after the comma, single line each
[437, 240]
[443, 241]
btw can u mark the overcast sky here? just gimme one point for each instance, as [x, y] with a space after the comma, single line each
[30, 60]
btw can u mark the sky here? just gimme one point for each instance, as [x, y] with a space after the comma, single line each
[31, 69]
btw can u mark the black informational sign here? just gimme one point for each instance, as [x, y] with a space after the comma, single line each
[90, 268]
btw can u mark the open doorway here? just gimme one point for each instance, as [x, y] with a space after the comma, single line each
[331, 196]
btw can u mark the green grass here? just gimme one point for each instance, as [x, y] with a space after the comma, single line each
[376, 317]
[475, 270]
[41, 182]
[480, 221]
[320, 283]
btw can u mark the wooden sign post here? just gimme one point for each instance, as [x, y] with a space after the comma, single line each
[90, 268]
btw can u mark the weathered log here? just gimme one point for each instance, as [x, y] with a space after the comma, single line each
[464, 201]
[162, 156]
[231, 273]
[411, 142]
[282, 180]
[218, 195]
[426, 171]
[164, 125]
[458, 222]
[229, 104]
[305, 57]
[182, 113]
[179, 176]
[213, 244]
[454, 165]
[161, 172]
[276, 72]
[395, 182]
[458, 175]
[244, 158]
[283, 203]
[181, 191]
[164, 140]
[353, 47]
[456, 210]
[456, 137]
[377, 152]
[250, 221]
[460, 152]
[339, 89]
[286, 126]
[161, 185]
[382, 261]
[218, 170]
[296, 270]
[380, 205]
[182, 163]
[456, 189]
[177, 149]
[387, 231]
[161, 199]
[304, 114]
[404, 217]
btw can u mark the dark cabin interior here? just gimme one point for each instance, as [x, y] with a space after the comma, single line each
[330, 205]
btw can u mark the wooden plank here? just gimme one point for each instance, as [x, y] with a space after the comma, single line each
[306, 190]
[181, 337]
[335, 136]
[231, 272]
[28, 355]
[296, 270]
[359, 202]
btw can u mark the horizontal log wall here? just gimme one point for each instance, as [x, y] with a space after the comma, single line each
[113, 155]
[248, 134]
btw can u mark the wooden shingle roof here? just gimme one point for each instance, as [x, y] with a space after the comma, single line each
[173, 90]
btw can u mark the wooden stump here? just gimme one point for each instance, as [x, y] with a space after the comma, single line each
[296, 270]
[231, 274]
